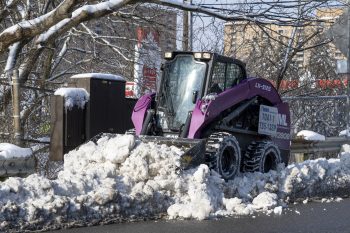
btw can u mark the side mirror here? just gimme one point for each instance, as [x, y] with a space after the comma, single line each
[194, 96]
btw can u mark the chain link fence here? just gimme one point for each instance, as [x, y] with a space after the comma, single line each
[325, 115]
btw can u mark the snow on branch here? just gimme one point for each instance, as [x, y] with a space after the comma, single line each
[80, 15]
[200, 9]
[64, 17]
[266, 16]
[12, 57]
[226, 17]
[33, 27]
[106, 42]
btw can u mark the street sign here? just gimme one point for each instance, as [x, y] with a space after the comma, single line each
[339, 33]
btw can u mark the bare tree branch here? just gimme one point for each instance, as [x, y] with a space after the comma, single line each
[33, 27]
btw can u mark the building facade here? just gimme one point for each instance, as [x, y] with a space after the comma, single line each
[244, 40]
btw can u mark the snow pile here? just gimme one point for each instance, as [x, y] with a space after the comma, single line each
[73, 96]
[344, 133]
[310, 135]
[123, 178]
[345, 149]
[200, 194]
[8, 151]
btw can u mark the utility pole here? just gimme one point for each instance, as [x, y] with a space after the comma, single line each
[185, 28]
[18, 132]
[348, 78]
[191, 29]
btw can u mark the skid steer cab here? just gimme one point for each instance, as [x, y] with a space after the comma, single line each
[205, 99]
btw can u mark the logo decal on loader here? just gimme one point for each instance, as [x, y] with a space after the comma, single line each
[282, 119]
[262, 87]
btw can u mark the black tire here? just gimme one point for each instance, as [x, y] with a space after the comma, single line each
[223, 154]
[261, 157]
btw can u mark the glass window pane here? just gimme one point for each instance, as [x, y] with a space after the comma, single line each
[217, 83]
[233, 75]
[182, 77]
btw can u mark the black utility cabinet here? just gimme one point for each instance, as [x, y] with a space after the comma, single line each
[67, 128]
[108, 111]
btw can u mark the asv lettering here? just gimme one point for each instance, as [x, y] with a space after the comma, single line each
[282, 119]
[263, 87]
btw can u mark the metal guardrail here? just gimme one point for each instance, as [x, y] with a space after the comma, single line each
[331, 144]
[335, 97]
[17, 166]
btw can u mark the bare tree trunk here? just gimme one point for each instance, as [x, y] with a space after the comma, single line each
[286, 61]
[18, 131]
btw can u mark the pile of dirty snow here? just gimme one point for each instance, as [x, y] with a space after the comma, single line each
[121, 178]
[310, 135]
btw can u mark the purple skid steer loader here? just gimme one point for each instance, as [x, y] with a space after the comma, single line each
[206, 104]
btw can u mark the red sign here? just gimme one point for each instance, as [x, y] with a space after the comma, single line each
[130, 89]
[142, 34]
[332, 83]
[149, 81]
[320, 83]
[147, 73]
[289, 84]
[286, 84]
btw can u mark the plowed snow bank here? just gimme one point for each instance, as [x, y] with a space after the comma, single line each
[123, 178]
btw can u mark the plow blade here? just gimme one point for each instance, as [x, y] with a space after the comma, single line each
[194, 149]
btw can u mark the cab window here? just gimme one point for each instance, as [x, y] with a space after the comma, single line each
[217, 83]
[234, 75]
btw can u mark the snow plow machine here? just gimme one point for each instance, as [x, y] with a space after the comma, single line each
[206, 104]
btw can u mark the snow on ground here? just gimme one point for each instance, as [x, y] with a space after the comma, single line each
[310, 135]
[344, 133]
[8, 151]
[73, 96]
[122, 178]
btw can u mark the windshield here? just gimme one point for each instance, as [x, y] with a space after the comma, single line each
[182, 81]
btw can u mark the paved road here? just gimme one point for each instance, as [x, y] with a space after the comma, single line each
[310, 218]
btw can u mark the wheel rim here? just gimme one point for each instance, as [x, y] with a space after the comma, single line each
[228, 161]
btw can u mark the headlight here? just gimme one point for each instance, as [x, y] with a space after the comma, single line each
[168, 55]
[206, 55]
[198, 55]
